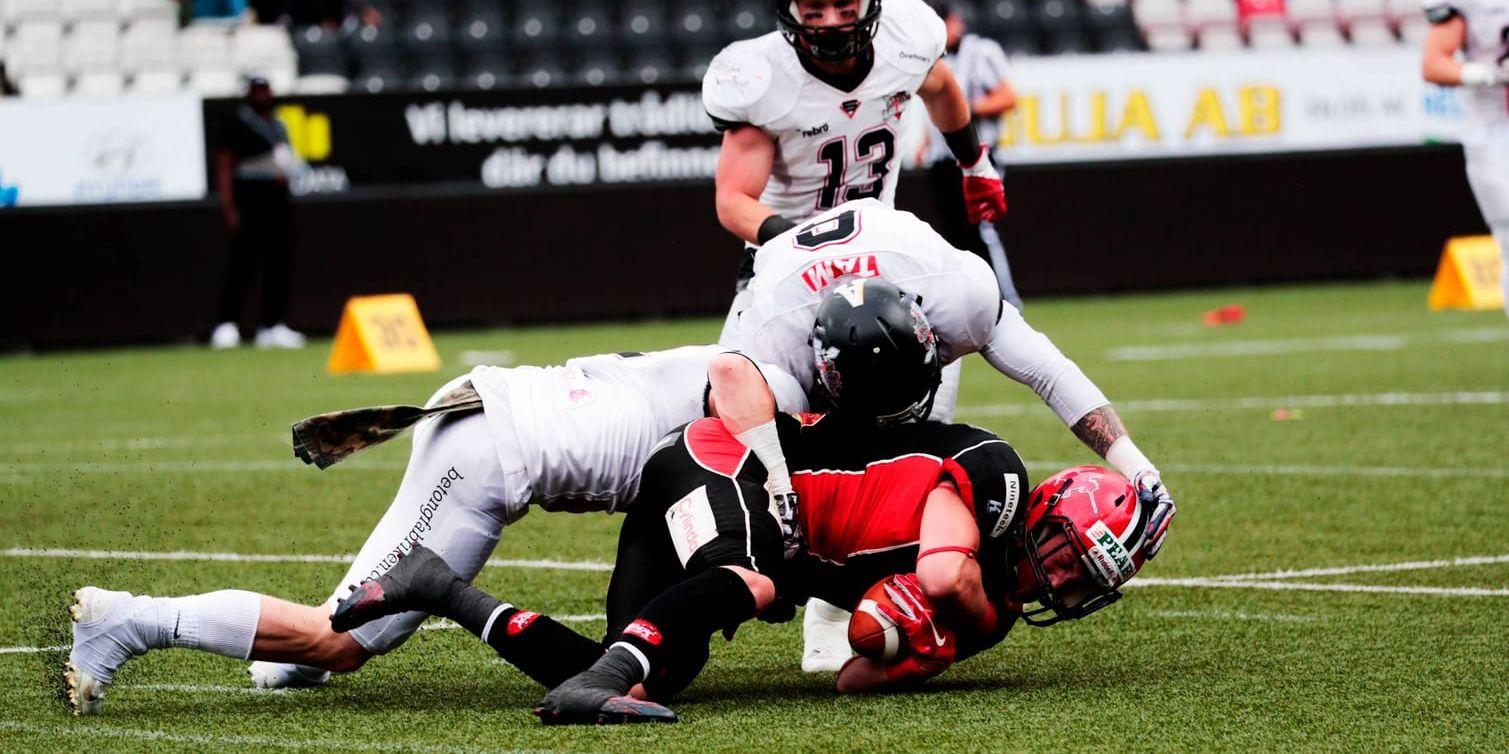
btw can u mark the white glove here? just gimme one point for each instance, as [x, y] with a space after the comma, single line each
[1153, 495]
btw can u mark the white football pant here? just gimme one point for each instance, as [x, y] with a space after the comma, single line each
[455, 499]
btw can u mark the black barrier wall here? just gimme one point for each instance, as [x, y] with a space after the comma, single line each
[150, 273]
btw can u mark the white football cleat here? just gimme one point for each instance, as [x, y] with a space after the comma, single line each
[825, 636]
[226, 335]
[104, 638]
[279, 336]
[285, 675]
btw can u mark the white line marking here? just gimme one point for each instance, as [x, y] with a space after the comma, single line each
[1308, 587]
[31, 650]
[204, 741]
[1302, 345]
[1344, 400]
[1415, 565]
[150, 467]
[1225, 615]
[439, 624]
[193, 689]
[234, 557]
[1306, 470]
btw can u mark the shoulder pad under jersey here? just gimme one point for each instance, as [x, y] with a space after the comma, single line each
[744, 84]
[911, 37]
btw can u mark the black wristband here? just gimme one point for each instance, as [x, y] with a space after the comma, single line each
[772, 227]
[964, 143]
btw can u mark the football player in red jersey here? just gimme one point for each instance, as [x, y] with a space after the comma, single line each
[703, 550]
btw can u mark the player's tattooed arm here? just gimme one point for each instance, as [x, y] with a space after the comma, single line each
[1099, 429]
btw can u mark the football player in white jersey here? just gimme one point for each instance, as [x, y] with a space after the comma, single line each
[962, 309]
[1479, 30]
[567, 438]
[811, 115]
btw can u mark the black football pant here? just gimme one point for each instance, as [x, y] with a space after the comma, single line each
[264, 240]
[702, 498]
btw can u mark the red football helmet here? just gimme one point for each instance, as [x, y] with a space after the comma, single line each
[1083, 540]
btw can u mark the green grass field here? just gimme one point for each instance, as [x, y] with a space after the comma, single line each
[1395, 450]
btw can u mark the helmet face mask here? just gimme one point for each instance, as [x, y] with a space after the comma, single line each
[828, 44]
[1074, 563]
[875, 354]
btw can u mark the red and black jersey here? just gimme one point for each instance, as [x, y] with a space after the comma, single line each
[863, 489]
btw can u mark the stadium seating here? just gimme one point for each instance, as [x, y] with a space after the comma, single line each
[53, 47]
[103, 47]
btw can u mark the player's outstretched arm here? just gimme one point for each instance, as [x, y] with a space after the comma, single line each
[1018, 351]
[744, 166]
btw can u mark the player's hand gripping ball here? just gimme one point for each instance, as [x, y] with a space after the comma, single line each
[892, 617]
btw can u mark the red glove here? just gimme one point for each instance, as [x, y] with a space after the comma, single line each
[984, 194]
[932, 646]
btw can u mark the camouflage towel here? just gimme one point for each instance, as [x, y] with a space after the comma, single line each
[328, 439]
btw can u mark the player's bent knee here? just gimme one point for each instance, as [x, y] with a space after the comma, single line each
[760, 586]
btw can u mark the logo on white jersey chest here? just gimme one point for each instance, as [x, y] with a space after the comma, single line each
[892, 107]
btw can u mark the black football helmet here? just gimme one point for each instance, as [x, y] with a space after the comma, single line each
[875, 352]
[829, 44]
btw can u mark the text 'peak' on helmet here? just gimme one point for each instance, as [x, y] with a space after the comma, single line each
[828, 43]
[876, 354]
[1083, 540]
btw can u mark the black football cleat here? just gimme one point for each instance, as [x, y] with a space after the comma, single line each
[420, 581]
[615, 710]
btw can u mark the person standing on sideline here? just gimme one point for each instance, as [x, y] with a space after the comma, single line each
[981, 68]
[253, 165]
[1479, 30]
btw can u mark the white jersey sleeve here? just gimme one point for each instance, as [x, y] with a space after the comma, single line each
[1027, 356]
[912, 35]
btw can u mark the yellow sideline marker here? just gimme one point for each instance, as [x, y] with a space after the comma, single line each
[1468, 277]
[382, 334]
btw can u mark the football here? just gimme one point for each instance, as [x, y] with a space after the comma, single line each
[871, 633]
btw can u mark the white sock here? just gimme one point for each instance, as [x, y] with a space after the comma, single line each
[765, 442]
[826, 611]
[223, 622]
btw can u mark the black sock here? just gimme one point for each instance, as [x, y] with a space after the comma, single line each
[538, 646]
[684, 617]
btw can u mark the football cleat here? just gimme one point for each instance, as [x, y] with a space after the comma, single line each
[419, 580]
[104, 638]
[285, 675]
[579, 704]
[825, 638]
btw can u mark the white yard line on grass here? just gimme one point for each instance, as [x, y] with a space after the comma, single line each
[1303, 345]
[1228, 615]
[1309, 587]
[206, 466]
[1413, 565]
[1452, 398]
[235, 557]
[1306, 470]
[207, 740]
[32, 650]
